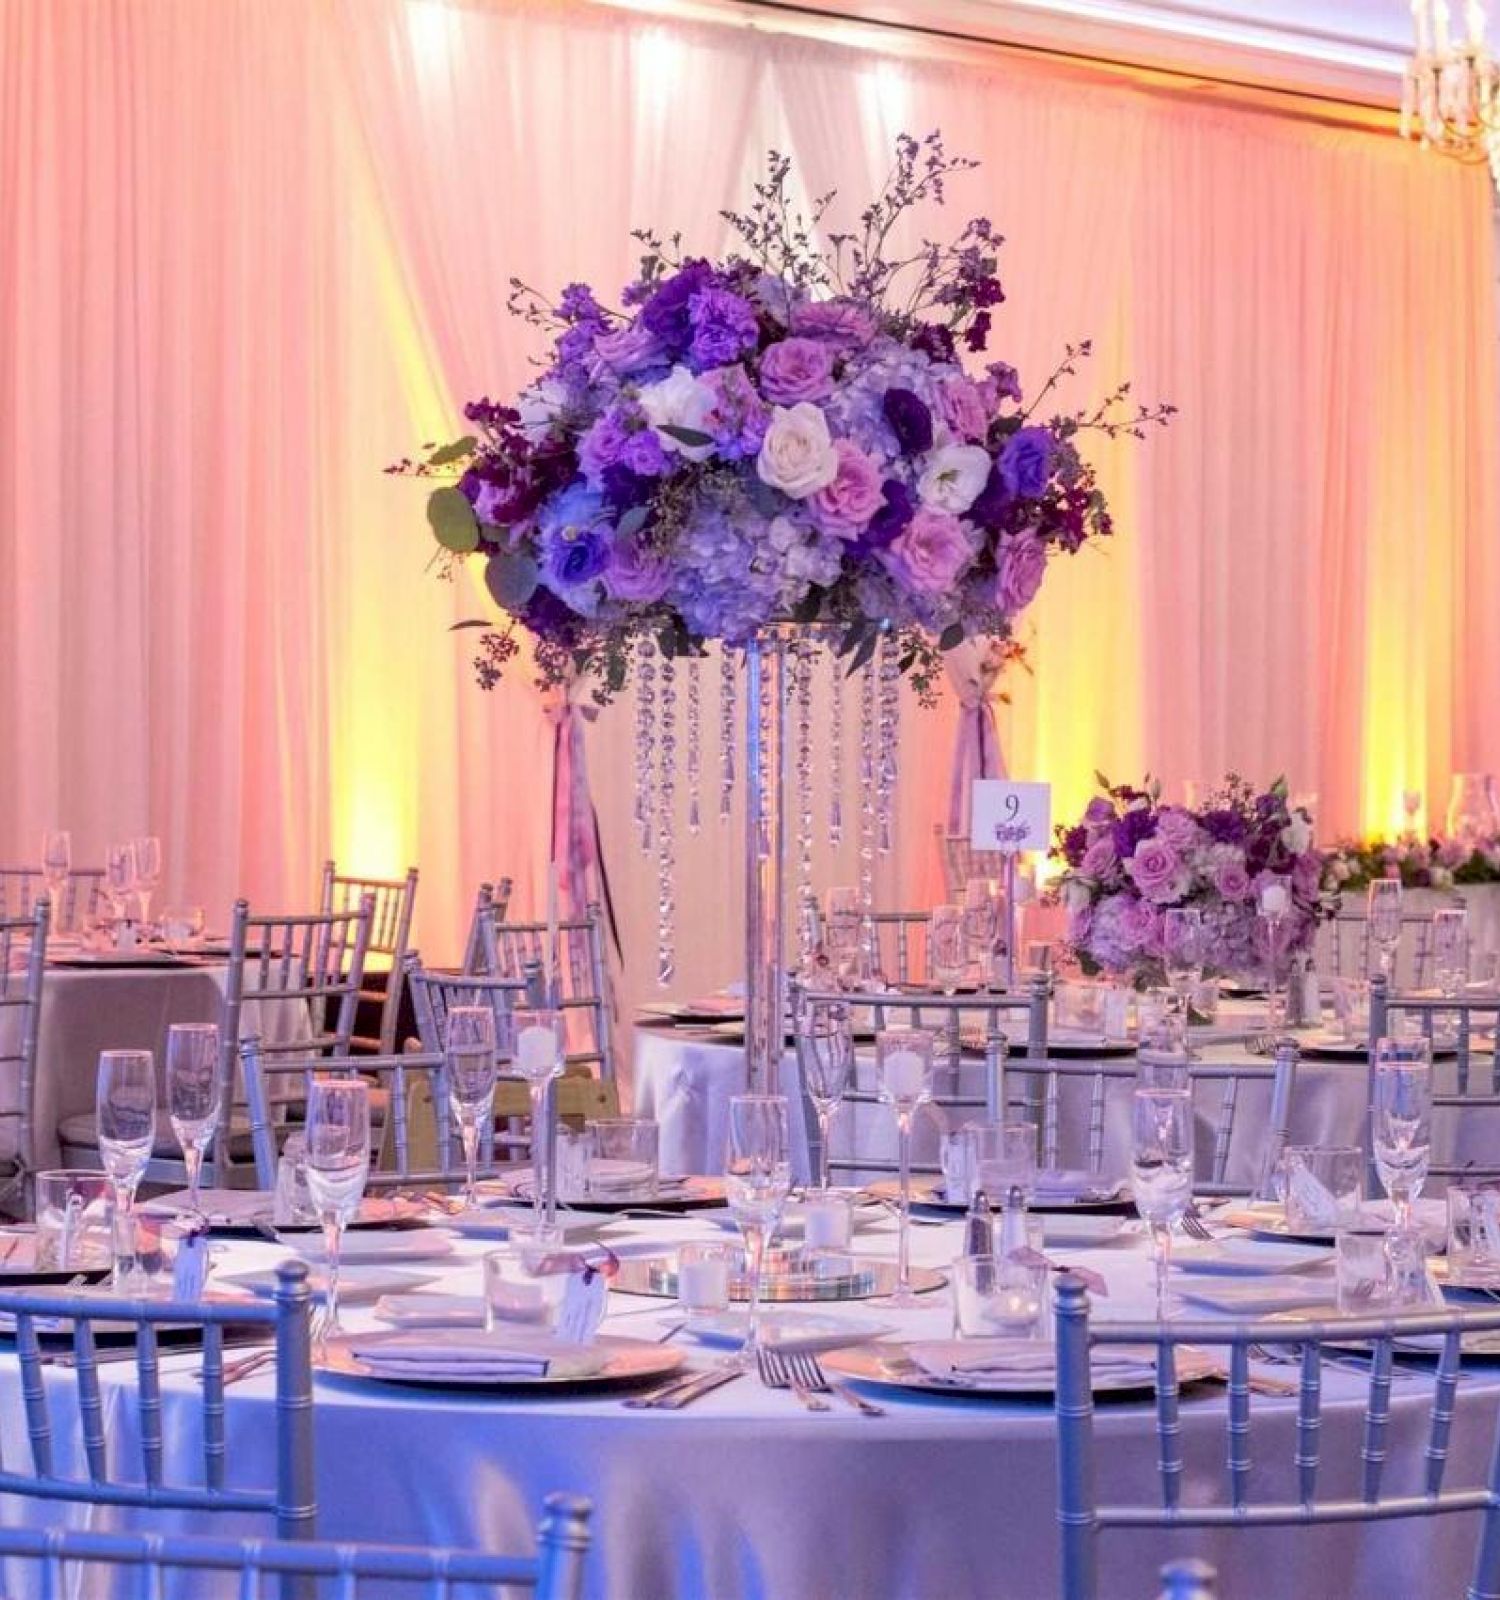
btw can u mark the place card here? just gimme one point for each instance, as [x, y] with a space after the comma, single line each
[1010, 817]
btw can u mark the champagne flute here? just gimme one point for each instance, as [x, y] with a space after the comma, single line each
[338, 1165]
[57, 867]
[1182, 952]
[903, 1067]
[471, 1067]
[1401, 1121]
[125, 1107]
[947, 952]
[1161, 1170]
[1383, 909]
[193, 1095]
[757, 1181]
[1450, 949]
[825, 1049]
[1275, 902]
[539, 1059]
[841, 931]
[981, 916]
[147, 871]
[119, 879]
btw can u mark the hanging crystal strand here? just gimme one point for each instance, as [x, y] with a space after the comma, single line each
[805, 654]
[867, 769]
[645, 736]
[694, 741]
[666, 820]
[727, 730]
[889, 718]
[836, 756]
[775, 685]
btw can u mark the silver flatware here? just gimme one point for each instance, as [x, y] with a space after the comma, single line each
[776, 1373]
[682, 1392]
[807, 1366]
[1195, 1227]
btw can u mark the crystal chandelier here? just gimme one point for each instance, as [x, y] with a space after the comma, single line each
[1450, 99]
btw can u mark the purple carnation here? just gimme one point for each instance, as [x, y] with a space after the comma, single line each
[910, 420]
[1026, 462]
[667, 312]
[724, 327]
[1223, 827]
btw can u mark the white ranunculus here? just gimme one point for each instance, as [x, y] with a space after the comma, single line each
[953, 477]
[1297, 834]
[539, 406]
[797, 455]
[679, 401]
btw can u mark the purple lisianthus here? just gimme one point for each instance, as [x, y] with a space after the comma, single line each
[836, 322]
[890, 521]
[1099, 811]
[796, 369]
[992, 501]
[549, 616]
[636, 573]
[910, 420]
[667, 313]
[1023, 565]
[931, 553]
[577, 557]
[1026, 462]
[724, 327]
[623, 488]
[1158, 871]
[846, 505]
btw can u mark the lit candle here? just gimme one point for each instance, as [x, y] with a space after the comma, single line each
[703, 1283]
[1274, 900]
[825, 1223]
[536, 1051]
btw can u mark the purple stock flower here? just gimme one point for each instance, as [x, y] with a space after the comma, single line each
[724, 327]
[1026, 462]
[739, 418]
[910, 420]
[936, 341]
[1007, 381]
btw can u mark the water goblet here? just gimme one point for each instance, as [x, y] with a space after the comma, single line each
[338, 1166]
[1383, 911]
[825, 1050]
[540, 1049]
[947, 951]
[903, 1067]
[470, 1064]
[757, 1181]
[147, 871]
[193, 1095]
[118, 884]
[125, 1108]
[1005, 1168]
[1450, 949]
[1401, 1122]
[1182, 953]
[1161, 1170]
[57, 865]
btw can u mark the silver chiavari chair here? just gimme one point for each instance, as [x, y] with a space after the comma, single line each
[22, 887]
[52, 1472]
[962, 862]
[23, 966]
[415, 1141]
[62, 1561]
[1345, 949]
[900, 938]
[1082, 1518]
[1464, 1083]
[490, 905]
[392, 903]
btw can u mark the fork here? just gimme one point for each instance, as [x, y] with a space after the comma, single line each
[1195, 1227]
[775, 1373]
[804, 1365]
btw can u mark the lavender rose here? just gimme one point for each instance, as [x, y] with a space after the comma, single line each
[796, 369]
[961, 407]
[1026, 462]
[1229, 875]
[1022, 568]
[636, 574]
[837, 322]
[1178, 827]
[1099, 811]
[844, 506]
[1099, 858]
[1158, 871]
[929, 556]
[629, 350]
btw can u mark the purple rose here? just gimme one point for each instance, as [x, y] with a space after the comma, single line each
[1023, 564]
[1099, 858]
[855, 495]
[910, 420]
[1099, 810]
[1026, 462]
[962, 408]
[739, 417]
[836, 322]
[890, 521]
[636, 573]
[667, 313]
[1178, 827]
[577, 557]
[1229, 874]
[724, 327]
[929, 556]
[1158, 871]
[629, 350]
[796, 369]
[1140, 924]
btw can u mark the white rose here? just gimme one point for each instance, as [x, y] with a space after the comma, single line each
[1297, 834]
[679, 401]
[797, 455]
[953, 477]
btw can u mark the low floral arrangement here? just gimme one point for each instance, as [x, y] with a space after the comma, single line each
[789, 434]
[1418, 863]
[1131, 859]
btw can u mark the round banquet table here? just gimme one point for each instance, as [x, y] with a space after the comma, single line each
[744, 1494]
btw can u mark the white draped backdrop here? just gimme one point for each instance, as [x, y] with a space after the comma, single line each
[255, 250]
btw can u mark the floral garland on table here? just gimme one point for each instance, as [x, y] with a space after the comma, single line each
[786, 434]
[1131, 858]
[1418, 863]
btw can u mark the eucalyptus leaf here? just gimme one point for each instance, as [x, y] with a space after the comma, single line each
[865, 651]
[453, 521]
[952, 636]
[691, 437]
[633, 521]
[459, 450]
[511, 578]
[470, 622]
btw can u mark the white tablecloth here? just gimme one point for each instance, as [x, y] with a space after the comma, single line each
[745, 1495]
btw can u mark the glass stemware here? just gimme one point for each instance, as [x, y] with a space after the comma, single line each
[842, 916]
[757, 1181]
[1383, 909]
[825, 1049]
[338, 1166]
[1401, 1121]
[1005, 1168]
[1274, 906]
[981, 916]
[119, 880]
[125, 1108]
[147, 871]
[471, 1067]
[1182, 954]
[1450, 949]
[903, 1068]
[539, 1059]
[1161, 1170]
[193, 1095]
[947, 949]
[57, 866]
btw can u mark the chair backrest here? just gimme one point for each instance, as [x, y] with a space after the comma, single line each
[392, 903]
[511, 948]
[1345, 950]
[23, 966]
[291, 1499]
[962, 862]
[271, 1085]
[434, 995]
[491, 904]
[1081, 1516]
[900, 945]
[61, 1558]
[21, 887]
[1463, 1081]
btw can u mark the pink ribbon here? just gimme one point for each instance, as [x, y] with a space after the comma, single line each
[976, 752]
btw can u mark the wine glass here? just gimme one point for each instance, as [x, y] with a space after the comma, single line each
[825, 1049]
[338, 1165]
[947, 952]
[119, 879]
[841, 928]
[1161, 1170]
[57, 866]
[471, 1066]
[1182, 953]
[539, 1059]
[193, 1095]
[1275, 902]
[125, 1108]
[1401, 1121]
[981, 915]
[1450, 949]
[903, 1068]
[1383, 909]
[757, 1181]
[147, 871]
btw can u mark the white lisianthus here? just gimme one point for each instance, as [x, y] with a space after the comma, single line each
[797, 455]
[539, 406]
[953, 477]
[1297, 834]
[679, 401]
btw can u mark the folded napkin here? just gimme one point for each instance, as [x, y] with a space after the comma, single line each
[431, 1310]
[1070, 1183]
[474, 1354]
[1018, 1358]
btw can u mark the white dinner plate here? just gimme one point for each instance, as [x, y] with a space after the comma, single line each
[358, 1286]
[426, 1310]
[1083, 1230]
[1261, 1297]
[889, 1366]
[499, 1222]
[1238, 1257]
[629, 1362]
[787, 1330]
[368, 1249]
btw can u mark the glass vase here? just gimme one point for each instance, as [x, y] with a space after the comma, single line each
[765, 707]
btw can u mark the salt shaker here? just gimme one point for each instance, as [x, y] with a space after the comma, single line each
[979, 1228]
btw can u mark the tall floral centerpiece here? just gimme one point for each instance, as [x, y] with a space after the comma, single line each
[1130, 859]
[804, 440]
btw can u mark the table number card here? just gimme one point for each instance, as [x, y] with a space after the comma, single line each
[1013, 817]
